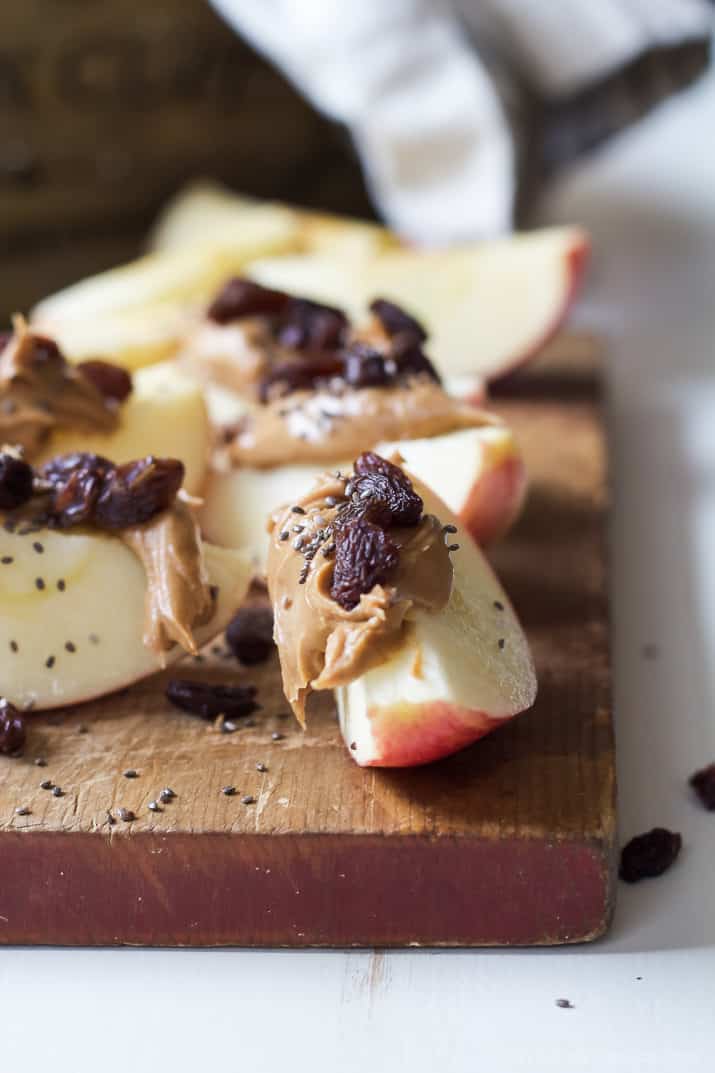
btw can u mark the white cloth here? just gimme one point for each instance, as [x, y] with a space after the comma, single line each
[406, 78]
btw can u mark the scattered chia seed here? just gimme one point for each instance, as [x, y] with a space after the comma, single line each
[70, 646]
[228, 727]
[39, 583]
[564, 1004]
[110, 819]
[499, 605]
[40, 761]
[166, 794]
[50, 661]
[46, 784]
[215, 650]
[13, 646]
[248, 799]
[57, 791]
[23, 810]
[126, 815]
[501, 642]
[353, 745]
[297, 510]
[6, 560]
[39, 548]
[83, 728]
[298, 543]
[449, 528]
[453, 547]
[285, 535]
[61, 584]
[93, 639]
[130, 773]
[260, 766]
[277, 736]
[349, 489]
[228, 791]
[298, 528]
[330, 501]
[154, 807]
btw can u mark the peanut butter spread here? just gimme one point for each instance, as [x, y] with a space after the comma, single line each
[321, 644]
[235, 356]
[40, 390]
[324, 425]
[178, 595]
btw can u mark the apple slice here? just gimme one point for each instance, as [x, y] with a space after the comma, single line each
[479, 473]
[460, 673]
[165, 415]
[487, 307]
[72, 617]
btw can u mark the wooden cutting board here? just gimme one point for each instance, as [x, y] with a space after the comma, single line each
[510, 842]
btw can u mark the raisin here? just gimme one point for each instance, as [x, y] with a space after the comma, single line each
[250, 634]
[703, 782]
[137, 491]
[12, 728]
[111, 381]
[364, 367]
[364, 557]
[411, 360]
[208, 701]
[307, 325]
[16, 478]
[649, 855]
[396, 321]
[243, 298]
[300, 375]
[386, 491]
[77, 480]
[45, 351]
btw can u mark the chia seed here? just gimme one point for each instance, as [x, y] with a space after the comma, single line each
[6, 560]
[154, 807]
[38, 547]
[277, 736]
[126, 815]
[166, 795]
[501, 642]
[46, 784]
[13, 646]
[284, 535]
[449, 528]
[39, 583]
[61, 584]
[453, 547]
[23, 810]
[40, 761]
[298, 528]
[57, 791]
[50, 662]
[564, 1004]
[499, 605]
[297, 510]
[130, 773]
[93, 639]
[70, 646]
[261, 767]
[248, 799]
[228, 791]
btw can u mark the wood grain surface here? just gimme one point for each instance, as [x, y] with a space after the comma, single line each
[509, 842]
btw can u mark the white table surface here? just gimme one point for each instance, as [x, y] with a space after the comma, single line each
[644, 997]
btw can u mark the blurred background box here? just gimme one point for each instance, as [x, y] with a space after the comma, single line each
[108, 106]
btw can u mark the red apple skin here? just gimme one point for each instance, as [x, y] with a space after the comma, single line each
[495, 500]
[410, 735]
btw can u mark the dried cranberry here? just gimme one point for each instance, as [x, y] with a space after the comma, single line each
[16, 478]
[110, 380]
[649, 855]
[307, 325]
[395, 320]
[363, 366]
[250, 634]
[77, 480]
[364, 557]
[243, 298]
[208, 701]
[137, 491]
[303, 374]
[12, 728]
[703, 782]
[382, 486]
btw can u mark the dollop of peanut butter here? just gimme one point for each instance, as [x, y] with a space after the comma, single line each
[322, 645]
[40, 390]
[178, 594]
[236, 356]
[321, 426]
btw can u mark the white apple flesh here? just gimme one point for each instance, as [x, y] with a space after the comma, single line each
[165, 415]
[478, 472]
[72, 614]
[460, 673]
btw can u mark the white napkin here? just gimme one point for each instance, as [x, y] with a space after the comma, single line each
[413, 80]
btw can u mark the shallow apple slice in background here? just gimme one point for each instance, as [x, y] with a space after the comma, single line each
[165, 415]
[487, 307]
[460, 673]
[478, 472]
[72, 615]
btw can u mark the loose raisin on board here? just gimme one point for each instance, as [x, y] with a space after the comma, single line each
[365, 555]
[243, 298]
[111, 381]
[396, 321]
[363, 366]
[209, 700]
[649, 855]
[703, 782]
[135, 492]
[249, 634]
[16, 478]
[379, 482]
[13, 731]
[307, 325]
